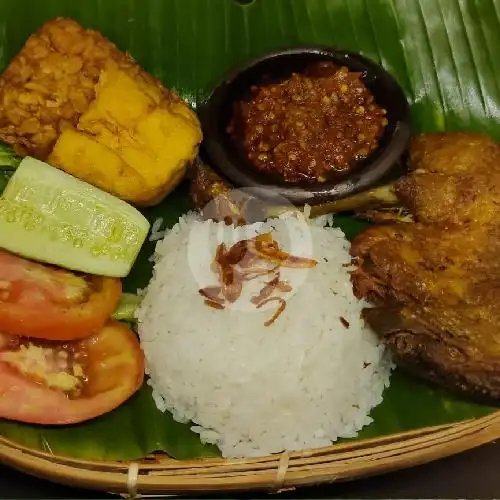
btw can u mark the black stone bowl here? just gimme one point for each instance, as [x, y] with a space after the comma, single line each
[231, 163]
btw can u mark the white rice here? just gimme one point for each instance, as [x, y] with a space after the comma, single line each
[302, 382]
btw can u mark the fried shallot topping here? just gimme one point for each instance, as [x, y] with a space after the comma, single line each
[344, 322]
[271, 286]
[276, 315]
[245, 261]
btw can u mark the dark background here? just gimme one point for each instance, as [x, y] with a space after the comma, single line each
[473, 474]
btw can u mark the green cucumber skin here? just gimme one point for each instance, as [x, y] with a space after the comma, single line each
[50, 216]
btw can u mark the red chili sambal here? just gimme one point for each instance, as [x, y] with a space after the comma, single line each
[310, 126]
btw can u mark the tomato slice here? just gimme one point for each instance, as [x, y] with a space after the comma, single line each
[55, 383]
[42, 301]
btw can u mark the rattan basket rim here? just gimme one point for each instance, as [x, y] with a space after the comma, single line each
[159, 474]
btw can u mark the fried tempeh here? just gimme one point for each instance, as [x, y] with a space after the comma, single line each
[72, 98]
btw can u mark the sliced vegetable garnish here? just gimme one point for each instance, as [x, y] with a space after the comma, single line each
[65, 383]
[39, 300]
[50, 216]
[125, 311]
[9, 161]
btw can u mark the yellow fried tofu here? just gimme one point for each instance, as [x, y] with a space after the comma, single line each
[151, 139]
[86, 157]
[72, 98]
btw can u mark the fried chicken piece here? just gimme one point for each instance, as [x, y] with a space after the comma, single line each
[414, 262]
[467, 364]
[454, 178]
[436, 282]
[213, 197]
[449, 200]
[445, 184]
[206, 186]
[454, 153]
[72, 98]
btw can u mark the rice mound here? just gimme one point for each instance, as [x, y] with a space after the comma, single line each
[302, 382]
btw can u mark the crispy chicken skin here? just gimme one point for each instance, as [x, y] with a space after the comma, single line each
[454, 153]
[72, 98]
[452, 178]
[435, 283]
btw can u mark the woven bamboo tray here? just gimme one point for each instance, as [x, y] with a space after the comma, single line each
[159, 474]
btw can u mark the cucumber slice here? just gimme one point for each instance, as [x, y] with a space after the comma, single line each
[50, 216]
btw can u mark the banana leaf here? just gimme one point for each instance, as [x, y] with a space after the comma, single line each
[442, 52]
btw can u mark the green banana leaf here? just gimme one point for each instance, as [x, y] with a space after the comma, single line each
[443, 53]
